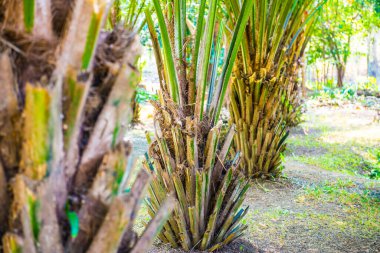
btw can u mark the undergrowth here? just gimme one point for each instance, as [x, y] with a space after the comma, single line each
[359, 208]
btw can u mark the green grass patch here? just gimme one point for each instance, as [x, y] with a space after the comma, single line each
[349, 158]
[359, 211]
[269, 225]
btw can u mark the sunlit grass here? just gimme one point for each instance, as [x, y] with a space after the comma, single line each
[347, 158]
[331, 209]
[359, 209]
[336, 143]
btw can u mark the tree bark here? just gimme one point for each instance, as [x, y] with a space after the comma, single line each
[340, 74]
[373, 63]
[3, 200]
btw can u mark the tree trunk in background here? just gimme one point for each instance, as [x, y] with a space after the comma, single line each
[369, 43]
[340, 74]
[319, 81]
[373, 63]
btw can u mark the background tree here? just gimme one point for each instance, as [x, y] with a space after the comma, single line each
[339, 21]
[371, 25]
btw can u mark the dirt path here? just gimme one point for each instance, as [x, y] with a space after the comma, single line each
[325, 202]
[284, 217]
[303, 213]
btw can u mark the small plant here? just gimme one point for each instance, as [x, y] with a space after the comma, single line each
[143, 96]
[375, 172]
[370, 85]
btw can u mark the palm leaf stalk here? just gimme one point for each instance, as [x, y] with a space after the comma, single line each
[190, 154]
[65, 103]
[294, 104]
[136, 107]
[262, 99]
[130, 14]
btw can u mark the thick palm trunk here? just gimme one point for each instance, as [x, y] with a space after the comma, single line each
[191, 155]
[65, 102]
[258, 115]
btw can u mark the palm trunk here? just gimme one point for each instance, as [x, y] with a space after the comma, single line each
[265, 91]
[191, 155]
[64, 108]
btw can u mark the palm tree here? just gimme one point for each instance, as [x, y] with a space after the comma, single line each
[190, 154]
[263, 99]
[130, 14]
[66, 90]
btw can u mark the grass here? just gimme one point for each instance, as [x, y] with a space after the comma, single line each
[348, 158]
[345, 208]
[324, 213]
[324, 147]
[359, 210]
[268, 225]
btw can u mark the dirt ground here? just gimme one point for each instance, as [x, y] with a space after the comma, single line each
[325, 200]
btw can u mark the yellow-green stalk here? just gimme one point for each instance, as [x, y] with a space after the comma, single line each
[262, 98]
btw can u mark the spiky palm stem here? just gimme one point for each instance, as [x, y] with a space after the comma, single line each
[263, 95]
[193, 160]
[65, 103]
[190, 155]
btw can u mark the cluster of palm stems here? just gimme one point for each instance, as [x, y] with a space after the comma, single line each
[264, 100]
[66, 90]
[129, 14]
[294, 100]
[190, 155]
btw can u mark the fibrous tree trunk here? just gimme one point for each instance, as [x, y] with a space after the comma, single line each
[66, 91]
[191, 153]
